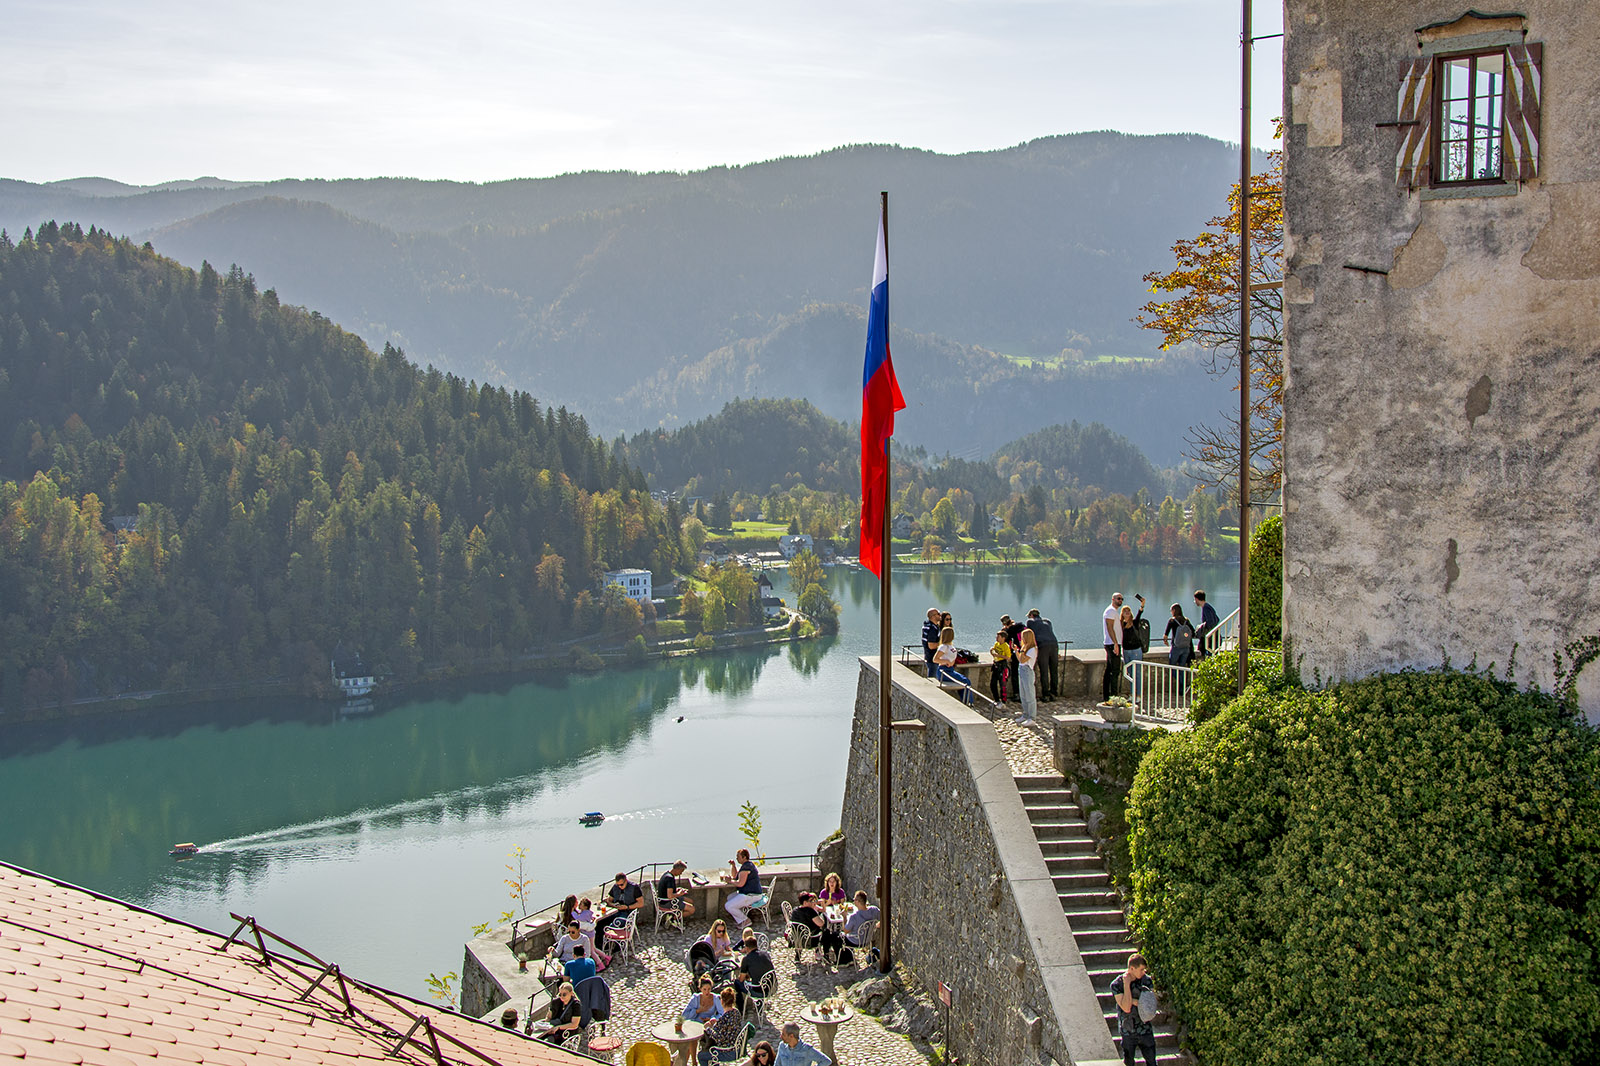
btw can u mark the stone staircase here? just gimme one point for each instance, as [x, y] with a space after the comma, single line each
[1089, 899]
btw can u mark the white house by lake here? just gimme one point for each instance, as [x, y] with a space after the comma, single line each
[635, 582]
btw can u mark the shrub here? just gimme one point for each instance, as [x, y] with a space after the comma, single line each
[703, 642]
[1266, 582]
[1216, 679]
[635, 651]
[583, 659]
[1398, 869]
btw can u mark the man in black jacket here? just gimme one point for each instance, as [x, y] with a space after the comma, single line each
[1049, 655]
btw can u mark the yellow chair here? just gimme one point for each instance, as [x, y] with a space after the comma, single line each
[645, 1053]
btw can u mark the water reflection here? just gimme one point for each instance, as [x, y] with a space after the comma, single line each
[326, 826]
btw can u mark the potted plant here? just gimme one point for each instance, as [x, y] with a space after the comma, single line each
[1116, 709]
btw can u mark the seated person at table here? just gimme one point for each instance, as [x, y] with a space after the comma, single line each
[626, 897]
[565, 1015]
[809, 914]
[584, 916]
[852, 925]
[832, 890]
[725, 1029]
[581, 968]
[669, 896]
[573, 939]
[754, 964]
[717, 939]
[704, 1005]
[796, 1052]
[747, 881]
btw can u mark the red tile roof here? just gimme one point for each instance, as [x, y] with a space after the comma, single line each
[89, 979]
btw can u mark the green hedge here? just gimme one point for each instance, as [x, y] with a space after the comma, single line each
[1396, 870]
[1216, 679]
[1266, 582]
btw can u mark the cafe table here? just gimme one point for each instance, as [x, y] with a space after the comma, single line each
[826, 1026]
[682, 1043]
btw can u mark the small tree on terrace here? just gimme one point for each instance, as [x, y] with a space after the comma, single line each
[1205, 310]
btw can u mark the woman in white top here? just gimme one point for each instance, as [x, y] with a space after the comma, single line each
[1027, 661]
[945, 660]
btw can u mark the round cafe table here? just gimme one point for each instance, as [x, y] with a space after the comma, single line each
[683, 1043]
[826, 1026]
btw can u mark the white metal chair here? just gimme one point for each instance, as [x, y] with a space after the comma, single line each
[763, 903]
[755, 1006]
[621, 938]
[862, 947]
[804, 938]
[668, 914]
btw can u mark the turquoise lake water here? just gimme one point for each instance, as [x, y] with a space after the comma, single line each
[377, 841]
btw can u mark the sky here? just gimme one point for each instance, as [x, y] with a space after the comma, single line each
[146, 91]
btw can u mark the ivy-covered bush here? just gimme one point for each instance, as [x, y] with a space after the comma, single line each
[1396, 870]
[1216, 679]
[1266, 583]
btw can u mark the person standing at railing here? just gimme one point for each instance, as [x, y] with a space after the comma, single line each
[1111, 626]
[1208, 622]
[930, 640]
[1135, 641]
[1179, 638]
[1027, 663]
[1049, 655]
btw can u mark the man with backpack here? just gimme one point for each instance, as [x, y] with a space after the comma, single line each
[1134, 993]
[1044, 634]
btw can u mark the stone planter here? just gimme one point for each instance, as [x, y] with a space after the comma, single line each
[1115, 713]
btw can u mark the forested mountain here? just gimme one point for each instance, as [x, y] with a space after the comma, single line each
[756, 447]
[649, 300]
[1078, 456]
[750, 446]
[202, 484]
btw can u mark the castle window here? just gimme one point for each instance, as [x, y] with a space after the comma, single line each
[1469, 118]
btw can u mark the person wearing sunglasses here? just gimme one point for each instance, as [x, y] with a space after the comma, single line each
[763, 1055]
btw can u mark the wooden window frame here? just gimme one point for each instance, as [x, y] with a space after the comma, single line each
[1441, 63]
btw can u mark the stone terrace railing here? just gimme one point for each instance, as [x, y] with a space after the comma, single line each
[974, 904]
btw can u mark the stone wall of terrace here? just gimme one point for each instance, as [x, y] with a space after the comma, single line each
[974, 905]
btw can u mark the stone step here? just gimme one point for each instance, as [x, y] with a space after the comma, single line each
[1052, 812]
[1061, 830]
[1055, 849]
[1044, 796]
[1025, 781]
[1103, 939]
[1095, 918]
[1082, 882]
[1079, 863]
[1166, 1036]
[1089, 899]
[1106, 957]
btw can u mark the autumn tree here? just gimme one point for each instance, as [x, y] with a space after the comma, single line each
[1203, 307]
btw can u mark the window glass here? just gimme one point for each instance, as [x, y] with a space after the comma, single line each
[1471, 90]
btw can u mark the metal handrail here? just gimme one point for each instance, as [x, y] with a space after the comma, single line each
[1226, 635]
[1161, 691]
[637, 876]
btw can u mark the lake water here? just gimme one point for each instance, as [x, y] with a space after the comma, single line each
[377, 841]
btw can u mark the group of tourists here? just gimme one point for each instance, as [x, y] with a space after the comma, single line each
[1026, 656]
[729, 965]
[1126, 635]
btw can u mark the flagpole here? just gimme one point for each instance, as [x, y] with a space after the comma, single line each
[885, 720]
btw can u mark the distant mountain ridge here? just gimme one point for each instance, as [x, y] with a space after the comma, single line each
[640, 298]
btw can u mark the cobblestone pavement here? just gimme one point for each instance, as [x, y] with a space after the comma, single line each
[654, 987]
[1028, 746]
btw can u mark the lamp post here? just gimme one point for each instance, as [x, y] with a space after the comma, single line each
[1246, 42]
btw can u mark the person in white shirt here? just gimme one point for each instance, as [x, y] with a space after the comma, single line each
[1027, 663]
[1111, 623]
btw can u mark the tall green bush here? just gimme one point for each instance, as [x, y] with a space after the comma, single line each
[1266, 582]
[1216, 679]
[1400, 869]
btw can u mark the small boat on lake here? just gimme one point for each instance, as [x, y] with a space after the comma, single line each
[592, 818]
[183, 851]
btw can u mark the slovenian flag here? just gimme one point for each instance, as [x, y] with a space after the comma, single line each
[880, 399]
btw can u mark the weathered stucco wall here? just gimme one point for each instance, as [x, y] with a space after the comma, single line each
[974, 904]
[1442, 398]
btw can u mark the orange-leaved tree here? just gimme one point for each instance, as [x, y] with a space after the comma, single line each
[1202, 307]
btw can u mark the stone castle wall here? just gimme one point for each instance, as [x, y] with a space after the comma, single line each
[973, 902]
[1442, 394]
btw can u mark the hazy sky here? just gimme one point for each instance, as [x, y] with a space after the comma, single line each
[151, 90]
